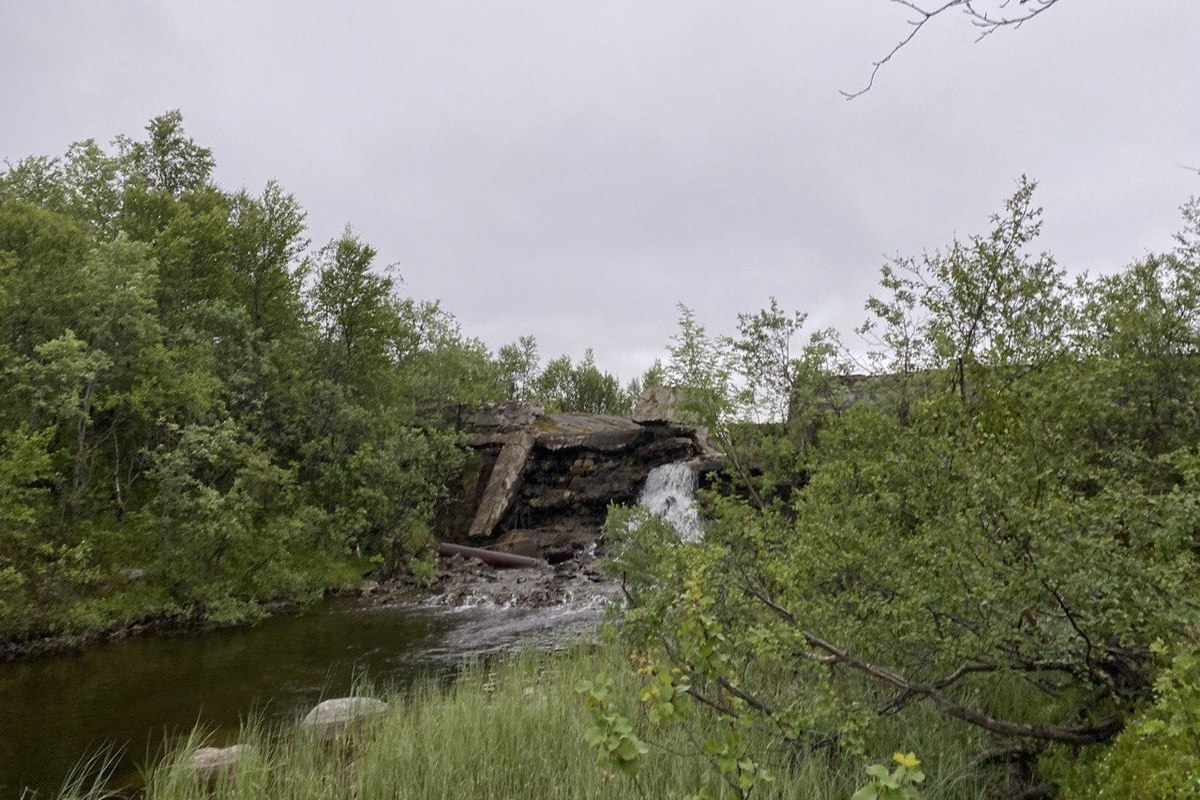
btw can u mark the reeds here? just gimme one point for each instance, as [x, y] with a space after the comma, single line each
[515, 729]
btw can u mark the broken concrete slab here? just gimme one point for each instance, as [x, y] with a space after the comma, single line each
[564, 431]
[502, 486]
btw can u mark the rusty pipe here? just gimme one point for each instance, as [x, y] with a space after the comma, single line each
[492, 558]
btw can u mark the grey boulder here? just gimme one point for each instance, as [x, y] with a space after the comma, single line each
[333, 717]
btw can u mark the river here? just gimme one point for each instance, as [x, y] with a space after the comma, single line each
[135, 694]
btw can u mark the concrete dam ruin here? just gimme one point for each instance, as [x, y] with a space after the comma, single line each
[540, 484]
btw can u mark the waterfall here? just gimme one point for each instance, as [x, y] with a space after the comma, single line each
[670, 494]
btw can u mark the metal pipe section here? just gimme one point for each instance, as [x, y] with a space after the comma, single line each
[490, 557]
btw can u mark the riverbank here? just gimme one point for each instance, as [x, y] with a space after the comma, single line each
[515, 728]
[137, 604]
[155, 624]
[128, 691]
[458, 582]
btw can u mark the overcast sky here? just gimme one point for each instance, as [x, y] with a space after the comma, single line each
[573, 169]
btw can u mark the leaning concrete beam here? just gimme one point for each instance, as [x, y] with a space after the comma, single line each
[502, 486]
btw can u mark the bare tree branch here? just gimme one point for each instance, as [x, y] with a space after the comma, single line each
[1001, 14]
[1101, 731]
[910, 690]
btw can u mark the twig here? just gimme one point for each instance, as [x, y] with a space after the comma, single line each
[987, 23]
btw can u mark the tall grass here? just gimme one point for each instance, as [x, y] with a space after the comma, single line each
[515, 729]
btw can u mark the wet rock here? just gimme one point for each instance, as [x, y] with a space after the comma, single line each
[540, 473]
[519, 543]
[561, 542]
[333, 717]
[667, 447]
[368, 588]
[573, 579]
[213, 763]
[280, 606]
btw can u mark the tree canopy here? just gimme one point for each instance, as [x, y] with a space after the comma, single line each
[190, 390]
[999, 520]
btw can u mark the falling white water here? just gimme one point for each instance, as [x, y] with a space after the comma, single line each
[670, 493]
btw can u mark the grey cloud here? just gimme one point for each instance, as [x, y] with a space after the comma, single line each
[572, 170]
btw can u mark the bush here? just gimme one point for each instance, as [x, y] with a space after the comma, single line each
[1156, 757]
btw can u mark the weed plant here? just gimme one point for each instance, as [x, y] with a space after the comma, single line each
[515, 729]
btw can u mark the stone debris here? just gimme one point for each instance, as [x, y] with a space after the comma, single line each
[212, 763]
[331, 718]
[464, 582]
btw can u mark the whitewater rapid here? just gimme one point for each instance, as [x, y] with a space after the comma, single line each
[670, 493]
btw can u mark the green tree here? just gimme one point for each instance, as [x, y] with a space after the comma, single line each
[989, 535]
[185, 387]
[40, 255]
[566, 386]
[354, 307]
[268, 249]
[520, 365]
[764, 360]
[228, 525]
[168, 160]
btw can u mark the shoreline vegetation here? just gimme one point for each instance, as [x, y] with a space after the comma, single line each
[516, 728]
[343, 581]
[986, 554]
[165, 624]
[202, 410]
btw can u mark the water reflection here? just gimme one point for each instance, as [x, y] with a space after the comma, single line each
[134, 693]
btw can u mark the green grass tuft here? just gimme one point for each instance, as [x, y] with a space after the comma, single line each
[515, 729]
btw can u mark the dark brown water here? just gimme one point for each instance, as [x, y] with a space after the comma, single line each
[136, 693]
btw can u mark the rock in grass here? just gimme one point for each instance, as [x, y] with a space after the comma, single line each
[211, 763]
[333, 717]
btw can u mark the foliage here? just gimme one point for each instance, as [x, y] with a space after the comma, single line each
[189, 389]
[226, 516]
[899, 783]
[1155, 756]
[562, 385]
[519, 364]
[704, 365]
[611, 732]
[1007, 506]
[510, 728]
[424, 570]
[565, 386]
[764, 360]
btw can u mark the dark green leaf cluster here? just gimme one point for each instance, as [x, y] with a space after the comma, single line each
[997, 521]
[198, 410]
[562, 385]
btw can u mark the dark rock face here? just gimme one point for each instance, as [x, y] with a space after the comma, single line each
[518, 543]
[553, 476]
